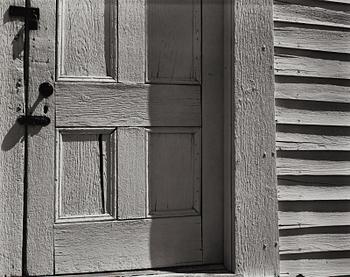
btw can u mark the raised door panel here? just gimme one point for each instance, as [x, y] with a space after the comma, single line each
[159, 172]
[87, 40]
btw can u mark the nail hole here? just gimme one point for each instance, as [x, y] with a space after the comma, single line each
[46, 109]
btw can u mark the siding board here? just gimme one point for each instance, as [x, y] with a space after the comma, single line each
[312, 91]
[316, 13]
[301, 37]
[312, 46]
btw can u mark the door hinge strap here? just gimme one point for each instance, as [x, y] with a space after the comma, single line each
[31, 14]
[38, 120]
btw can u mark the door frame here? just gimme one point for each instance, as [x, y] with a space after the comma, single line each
[251, 224]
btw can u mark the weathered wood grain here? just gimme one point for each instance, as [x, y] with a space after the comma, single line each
[290, 166]
[127, 105]
[253, 140]
[131, 41]
[304, 142]
[292, 220]
[300, 116]
[86, 38]
[316, 267]
[312, 38]
[186, 271]
[85, 178]
[11, 141]
[41, 141]
[132, 172]
[312, 92]
[174, 46]
[307, 243]
[313, 193]
[312, 12]
[101, 246]
[174, 171]
[304, 66]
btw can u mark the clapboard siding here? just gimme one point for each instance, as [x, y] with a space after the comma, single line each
[312, 91]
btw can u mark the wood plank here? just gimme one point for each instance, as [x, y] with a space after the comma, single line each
[313, 193]
[187, 271]
[316, 13]
[11, 140]
[127, 105]
[212, 131]
[292, 220]
[174, 46]
[317, 142]
[312, 92]
[99, 246]
[290, 166]
[86, 38]
[131, 41]
[174, 171]
[290, 64]
[41, 141]
[316, 267]
[299, 116]
[311, 38]
[85, 172]
[132, 173]
[253, 139]
[307, 243]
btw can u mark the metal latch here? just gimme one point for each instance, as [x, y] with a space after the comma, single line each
[32, 15]
[38, 120]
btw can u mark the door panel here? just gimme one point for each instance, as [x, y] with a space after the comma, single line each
[132, 158]
[107, 246]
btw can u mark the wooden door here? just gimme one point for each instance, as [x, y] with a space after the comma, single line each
[129, 173]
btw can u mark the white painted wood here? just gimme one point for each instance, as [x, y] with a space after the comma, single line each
[131, 41]
[316, 267]
[300, 116]
[305, 37]
[127, 244]
[127, 105]
[312, 91]
[303, 66]
[96, 102]
[188, 271]
[86, 38]
[313, 193]
[212, 130]
[41, 141]
[291, 220]
[11, 141]
[174, 171]
[298, 141]
[306, 243]
[289, 166]
[254, 192]
[132, 173]
[173, 45]
[85, 165]
[333, 14]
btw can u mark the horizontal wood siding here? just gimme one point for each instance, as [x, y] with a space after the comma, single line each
[312, 91]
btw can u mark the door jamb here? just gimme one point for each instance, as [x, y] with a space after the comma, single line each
[251, 205]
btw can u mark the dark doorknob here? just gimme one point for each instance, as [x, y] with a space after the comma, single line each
[46, 89]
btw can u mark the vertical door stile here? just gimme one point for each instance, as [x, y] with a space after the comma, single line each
[41, 141]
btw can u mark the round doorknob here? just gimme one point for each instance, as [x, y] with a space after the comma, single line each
[46, 89]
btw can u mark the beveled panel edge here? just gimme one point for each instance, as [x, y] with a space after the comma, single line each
[111, 176]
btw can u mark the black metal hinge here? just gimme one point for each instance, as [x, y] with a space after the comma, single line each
[32, 15]
[37, 120]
